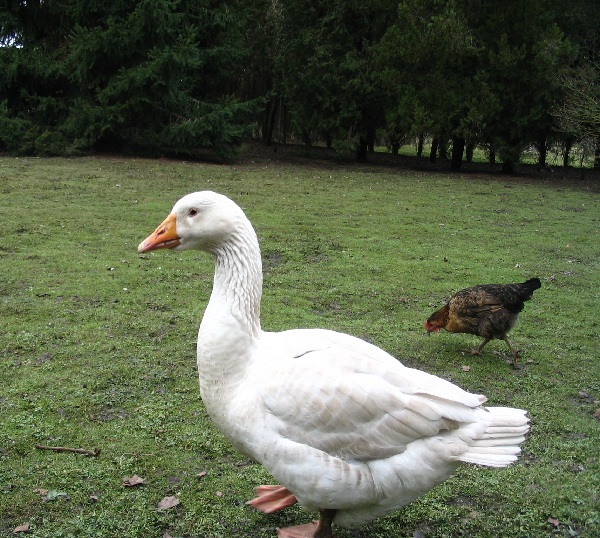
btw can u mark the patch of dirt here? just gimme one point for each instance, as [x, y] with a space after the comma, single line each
[272, 259]
[111, 413]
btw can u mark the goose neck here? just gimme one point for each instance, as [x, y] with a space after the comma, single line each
[238, 280]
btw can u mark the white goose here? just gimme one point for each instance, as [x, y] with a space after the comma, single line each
[345, 427]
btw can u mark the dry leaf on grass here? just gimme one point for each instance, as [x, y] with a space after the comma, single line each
[21, 528]
[132, 481]
[168, 502]
[53, 494]
[50, 495]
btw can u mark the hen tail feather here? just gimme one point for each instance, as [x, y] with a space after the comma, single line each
[529, 286]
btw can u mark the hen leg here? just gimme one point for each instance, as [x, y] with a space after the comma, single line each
[477, 350]
[322, 529]
[272, 498]
[514, 353]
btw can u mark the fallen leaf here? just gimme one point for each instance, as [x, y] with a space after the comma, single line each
[41, 492]
[168, 502]
[53, 495]
[219, 494]
[134, 480]
[21, 528]
[554, 522]
[201, 474]
[596, 415]
[465, 368]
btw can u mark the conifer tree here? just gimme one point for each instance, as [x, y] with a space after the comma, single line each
[149, 76]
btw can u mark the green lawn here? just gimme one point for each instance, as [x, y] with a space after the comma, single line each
[98, 344]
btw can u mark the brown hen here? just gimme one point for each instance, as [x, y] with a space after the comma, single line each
[488, 310]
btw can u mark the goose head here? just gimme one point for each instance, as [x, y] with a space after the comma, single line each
[199, 221]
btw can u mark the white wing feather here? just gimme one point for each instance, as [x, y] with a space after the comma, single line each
[355, 404]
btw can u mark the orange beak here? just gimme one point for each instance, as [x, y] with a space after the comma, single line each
[165, 236]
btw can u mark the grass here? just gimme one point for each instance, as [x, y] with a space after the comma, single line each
[98, 343]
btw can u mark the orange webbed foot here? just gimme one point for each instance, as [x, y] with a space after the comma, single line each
[272, 499]
[299, 531]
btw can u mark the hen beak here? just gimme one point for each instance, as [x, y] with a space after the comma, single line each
[165, 236]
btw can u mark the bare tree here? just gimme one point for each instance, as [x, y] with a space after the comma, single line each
[580, 111]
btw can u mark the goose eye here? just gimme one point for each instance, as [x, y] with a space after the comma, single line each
[192, 212]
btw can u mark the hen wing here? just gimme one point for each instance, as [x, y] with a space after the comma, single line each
[510, 296]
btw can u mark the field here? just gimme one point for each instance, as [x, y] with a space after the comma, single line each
[98, 343]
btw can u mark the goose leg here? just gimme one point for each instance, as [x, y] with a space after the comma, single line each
[324, 526]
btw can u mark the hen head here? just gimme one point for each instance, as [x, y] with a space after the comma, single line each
[431, 325]
[438, 320]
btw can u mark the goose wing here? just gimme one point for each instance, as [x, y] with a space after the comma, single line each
[356, 406]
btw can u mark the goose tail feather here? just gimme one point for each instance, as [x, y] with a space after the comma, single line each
[499, 444]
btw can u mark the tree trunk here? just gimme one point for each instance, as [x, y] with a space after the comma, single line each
[443, 145]
[434, 148]
[420, 145]
[469, 152]
[269, 122]
[597, 154]
[283, 124]
[508, 166]
[371, 139]
[567, 152]
[492, 158]
[458, 148]
[543, 152]
[306, 139]
[361, 150]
